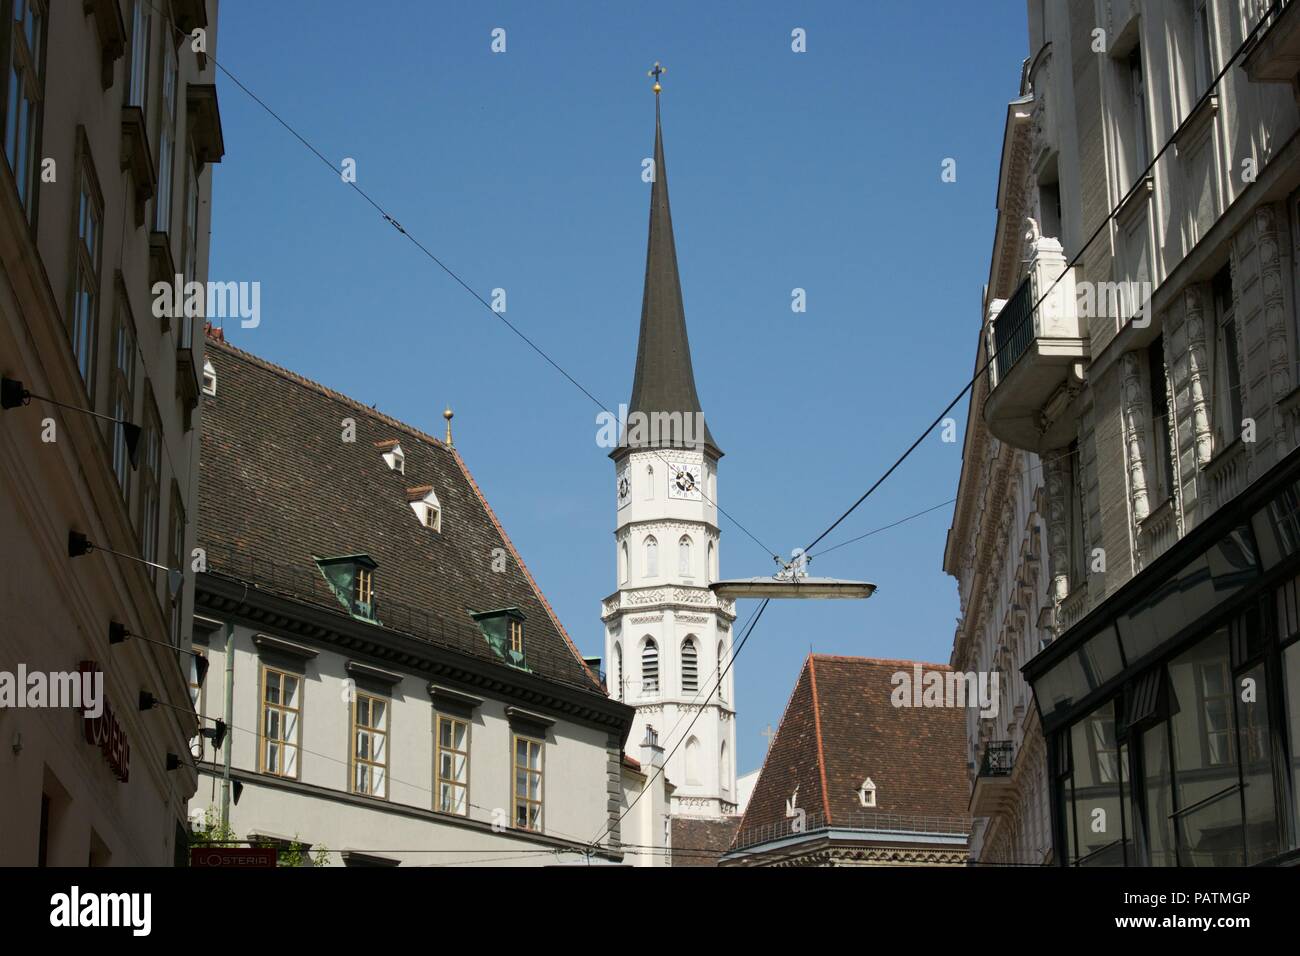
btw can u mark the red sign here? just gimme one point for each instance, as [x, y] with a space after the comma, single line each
[243, 856]
[106, 733]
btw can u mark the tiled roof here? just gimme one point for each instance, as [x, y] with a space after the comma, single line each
[280, 487]
[700, 842]
[840, 728]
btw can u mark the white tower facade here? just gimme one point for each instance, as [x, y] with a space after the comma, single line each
[667, 635]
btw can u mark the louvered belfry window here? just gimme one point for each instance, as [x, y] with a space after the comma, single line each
[690, 667]
[650, 668]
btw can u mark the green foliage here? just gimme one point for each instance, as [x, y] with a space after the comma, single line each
[211, 833]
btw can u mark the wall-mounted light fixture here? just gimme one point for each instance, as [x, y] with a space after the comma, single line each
[13, 395]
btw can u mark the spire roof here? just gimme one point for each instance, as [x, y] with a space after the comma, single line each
[665, 380]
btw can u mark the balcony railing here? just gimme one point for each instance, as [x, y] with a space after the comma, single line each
[1013, 329]
[998, 760]
[1159, 531]
[864, 820]
[1072, 608]
[1226, 474]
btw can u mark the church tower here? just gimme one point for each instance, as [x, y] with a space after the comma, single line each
[666, 634]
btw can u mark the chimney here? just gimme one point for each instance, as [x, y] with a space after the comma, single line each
[652, 755]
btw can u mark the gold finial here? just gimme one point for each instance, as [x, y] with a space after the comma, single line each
[657, 72]
[447, 414]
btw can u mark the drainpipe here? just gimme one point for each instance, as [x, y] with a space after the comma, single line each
[230, 718]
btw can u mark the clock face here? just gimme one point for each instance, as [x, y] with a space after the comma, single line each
[683, 481]
[624, 488]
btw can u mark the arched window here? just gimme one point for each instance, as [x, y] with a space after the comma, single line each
[724, 769]
[722, 684]
[693, 761]
[618, 672]
[684, 556]
[713, 564]
[622, 563]
[649, 482]
[651, 556]
[690, 666]
[650, 667]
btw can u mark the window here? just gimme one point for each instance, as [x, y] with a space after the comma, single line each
[195, 687]
[693, 762]
[281, 723]
[1049, 205]
[651, 557]
[123, 393]
[84, 313]
[684, 556]
[209, 378]
[139, 64]
[370, 746]
[722, 684]
[150, 478]
[1203, 67]
[23, 100]
[618, 672]
[622, 563]
[432, 517]
[1072, 466]
[1227, 371]
[1162, 455]
[650, 667]
[724, 768]
[176, 561]
[190, 235]
[713, 564]
[528, 783]
[365, 586]
[1137, 149]
[690, 667]
[516, 630]
[166, 144]
[453, 766]
[649, 482]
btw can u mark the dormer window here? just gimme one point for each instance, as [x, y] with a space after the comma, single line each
[426, 507]
[394, 457]
[867, 793]
[504, 631]
[209, 378]
[352, 579]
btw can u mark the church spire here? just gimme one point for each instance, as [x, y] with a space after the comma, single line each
[665, 381]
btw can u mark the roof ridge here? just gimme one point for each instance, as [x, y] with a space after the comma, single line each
[879, 660]
[325, 390]
[532, 582]
[817, 724]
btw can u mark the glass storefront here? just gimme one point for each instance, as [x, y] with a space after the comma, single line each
[1174, 721]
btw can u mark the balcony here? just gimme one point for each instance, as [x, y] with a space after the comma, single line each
[1036, 356]
[1274, 55]
[993, 791]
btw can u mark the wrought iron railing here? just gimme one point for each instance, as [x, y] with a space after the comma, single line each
[1013, 329]
[308, 585]
[865, 820]
[998, 760]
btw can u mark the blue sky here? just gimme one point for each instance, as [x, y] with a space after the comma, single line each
[521, 170]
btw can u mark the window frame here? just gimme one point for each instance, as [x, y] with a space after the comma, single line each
[356, 728]
[263, 704]
[168, 113]
[85, 274]
[438, 751]
[122, 388]
[650, 686]
[30, 72]
[516, 768]
[149, 518]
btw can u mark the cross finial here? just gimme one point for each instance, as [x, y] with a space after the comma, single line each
[769, 734]
[657, 72]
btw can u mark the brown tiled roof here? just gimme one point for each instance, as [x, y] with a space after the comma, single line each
[700, 842]
[279, 487]
[840, 728]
